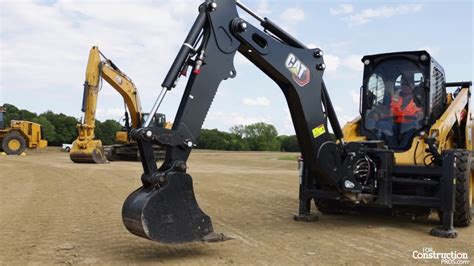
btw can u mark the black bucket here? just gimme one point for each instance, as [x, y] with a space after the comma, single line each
[168, 214]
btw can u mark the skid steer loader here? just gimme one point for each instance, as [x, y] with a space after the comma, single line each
[411, 146]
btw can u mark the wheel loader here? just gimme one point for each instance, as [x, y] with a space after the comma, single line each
[410, 149]
[14, 140]
[85, 148]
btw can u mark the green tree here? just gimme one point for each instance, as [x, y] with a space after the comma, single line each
[289, 143]
[65, 127]
[214, 139]
[105, 131]
[262, 137]
[13, 113]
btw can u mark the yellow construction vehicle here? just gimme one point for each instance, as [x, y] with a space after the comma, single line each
[20, 135]
[85, 148]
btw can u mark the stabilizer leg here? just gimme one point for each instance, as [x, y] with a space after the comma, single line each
[448, 194]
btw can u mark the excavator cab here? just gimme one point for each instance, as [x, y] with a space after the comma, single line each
[158, 120]
[402, 94]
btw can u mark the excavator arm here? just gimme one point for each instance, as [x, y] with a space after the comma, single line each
[85, 148]
[164, 208]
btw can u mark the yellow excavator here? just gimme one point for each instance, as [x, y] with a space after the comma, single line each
[87, 149]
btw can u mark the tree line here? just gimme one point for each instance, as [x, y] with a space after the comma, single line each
[61, 128]
[254, 137]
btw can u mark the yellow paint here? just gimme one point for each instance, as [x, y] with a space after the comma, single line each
[442, 129]
[318, 131]
[85, 146]
[14, 144]
[30, 131]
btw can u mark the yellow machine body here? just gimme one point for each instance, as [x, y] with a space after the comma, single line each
[21, 135]
[86, 149]
[460, 110]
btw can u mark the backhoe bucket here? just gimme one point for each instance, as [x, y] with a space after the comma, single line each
[167, 214]
[93, 153]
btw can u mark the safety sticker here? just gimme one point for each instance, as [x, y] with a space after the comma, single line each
[318, 131]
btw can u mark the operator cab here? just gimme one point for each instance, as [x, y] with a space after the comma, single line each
[402, 95]
[159, 120]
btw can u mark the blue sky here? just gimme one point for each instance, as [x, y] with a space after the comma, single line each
[44, 47]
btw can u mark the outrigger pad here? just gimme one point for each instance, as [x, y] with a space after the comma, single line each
[169, 214]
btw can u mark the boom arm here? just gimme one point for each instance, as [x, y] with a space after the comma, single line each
[297, 70]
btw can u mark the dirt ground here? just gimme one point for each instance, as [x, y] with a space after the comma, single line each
[55, 211]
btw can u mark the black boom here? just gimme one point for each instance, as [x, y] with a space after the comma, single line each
[164, 208]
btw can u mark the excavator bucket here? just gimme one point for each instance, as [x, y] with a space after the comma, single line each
[91, 152]
[167, 214]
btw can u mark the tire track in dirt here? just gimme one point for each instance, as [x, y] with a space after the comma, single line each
[54, 211]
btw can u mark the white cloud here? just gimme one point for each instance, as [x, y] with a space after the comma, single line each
[332, 62]
[292, 15]
[353, 62]
[290, 18]
[114, 113]
[288, 127]
[235, 118]
[366, 15]
[342, 9]
[259, 101]
[51, 44]
[355, 96]
[263, 8]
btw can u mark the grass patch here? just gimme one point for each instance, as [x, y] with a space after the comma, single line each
[288, 158]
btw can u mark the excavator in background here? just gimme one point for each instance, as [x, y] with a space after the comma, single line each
[86, 149]
[21, 134]
[410, 149]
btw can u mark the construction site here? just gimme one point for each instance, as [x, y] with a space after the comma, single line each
[393, 183]
[63, 213]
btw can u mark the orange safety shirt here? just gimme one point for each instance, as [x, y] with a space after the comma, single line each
[404, 114]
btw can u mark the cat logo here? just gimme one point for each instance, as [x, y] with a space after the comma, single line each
[299, 71]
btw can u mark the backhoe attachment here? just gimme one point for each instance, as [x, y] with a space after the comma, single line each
[164, 209]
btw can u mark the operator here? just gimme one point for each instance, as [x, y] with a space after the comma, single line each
[400, 117]
[402, 105]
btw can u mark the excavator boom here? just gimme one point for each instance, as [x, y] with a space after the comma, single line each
[164, 209]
